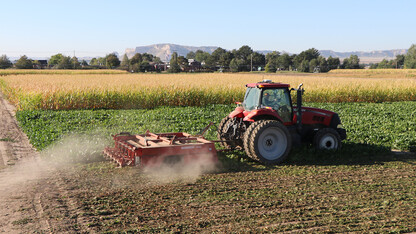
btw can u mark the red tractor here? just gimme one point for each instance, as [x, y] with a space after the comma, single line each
[266, 124]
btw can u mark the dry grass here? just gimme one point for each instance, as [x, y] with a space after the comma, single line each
[119, 91]
[57, 72]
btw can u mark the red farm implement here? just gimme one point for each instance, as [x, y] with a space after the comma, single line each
[151, 149]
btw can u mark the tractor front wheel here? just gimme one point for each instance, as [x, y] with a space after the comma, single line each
[327, 139]
[270, 142]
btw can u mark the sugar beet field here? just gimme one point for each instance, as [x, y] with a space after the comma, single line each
[367, 186]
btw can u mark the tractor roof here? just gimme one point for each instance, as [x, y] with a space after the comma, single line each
[267, 84]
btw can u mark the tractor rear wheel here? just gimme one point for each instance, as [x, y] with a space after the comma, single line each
[327, 139]
[248, 136]
[270, 142]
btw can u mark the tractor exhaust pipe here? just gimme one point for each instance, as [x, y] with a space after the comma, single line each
[299, 92]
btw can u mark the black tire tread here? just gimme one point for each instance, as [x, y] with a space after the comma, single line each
[220, 129]
[247, 137]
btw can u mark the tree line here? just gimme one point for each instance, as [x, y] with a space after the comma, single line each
[237, 60]
[401, 61]
[245, 59]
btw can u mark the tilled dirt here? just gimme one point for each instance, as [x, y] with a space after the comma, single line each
[33, 197]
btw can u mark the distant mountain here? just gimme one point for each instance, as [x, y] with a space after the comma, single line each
[164, 51]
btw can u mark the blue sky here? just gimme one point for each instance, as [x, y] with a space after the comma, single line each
[96, 28]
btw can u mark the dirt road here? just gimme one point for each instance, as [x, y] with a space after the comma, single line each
[33, 197]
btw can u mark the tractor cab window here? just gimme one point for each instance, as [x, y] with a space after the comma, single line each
[251, 99]
[279, 100]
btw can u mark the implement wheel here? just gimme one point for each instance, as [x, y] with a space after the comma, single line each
[270, 142]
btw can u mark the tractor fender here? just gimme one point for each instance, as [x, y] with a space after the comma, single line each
[262, 114]
[238, 112]
[316, 116]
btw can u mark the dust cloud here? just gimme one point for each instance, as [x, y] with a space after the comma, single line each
[76, 149]
[68, 151]
[20, 175]
[185, 172]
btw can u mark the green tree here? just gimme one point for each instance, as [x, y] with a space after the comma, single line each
[383, 64]
[244, 53]
[308, 55]
[333, 63]
[75, 63]
[313, 64]
[174, 66]
[271, 67]
[145, 66]
[65, 63]
[24, 63]
[201, 56]
[157, 60]
[112, 61]
[301, 61]
[373, 65]
[243, 56]
[258, 59]
[94, 62]
[272, 57]
[125, 63]
[183, 62]
[399, 60]
[225, 59]
[210, 63]
[284, 62]
[410, 58]
[217, 54]
[5, 62]
[353, 62]
[304, 66]
[237, 65]
[190, 55]
[136, 59]
[55, 59]
[101, 61]
[147, 57]
[323, 64]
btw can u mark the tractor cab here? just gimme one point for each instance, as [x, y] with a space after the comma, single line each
[274, 97]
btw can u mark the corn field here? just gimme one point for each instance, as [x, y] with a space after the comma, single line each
[66, 91]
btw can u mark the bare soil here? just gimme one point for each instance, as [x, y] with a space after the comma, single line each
[33, 198]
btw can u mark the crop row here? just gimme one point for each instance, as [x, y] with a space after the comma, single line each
[130, 91]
